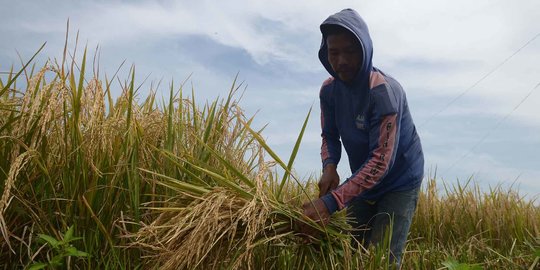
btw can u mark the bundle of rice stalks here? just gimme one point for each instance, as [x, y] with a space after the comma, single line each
[234, 214]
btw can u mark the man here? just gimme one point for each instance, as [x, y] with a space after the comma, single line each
[368, 111]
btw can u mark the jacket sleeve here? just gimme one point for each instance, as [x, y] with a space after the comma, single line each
[383, 142]
[331, 145]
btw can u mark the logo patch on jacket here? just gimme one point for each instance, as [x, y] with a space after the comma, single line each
[360, 122]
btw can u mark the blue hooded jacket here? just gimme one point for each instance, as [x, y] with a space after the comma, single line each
[371, 117]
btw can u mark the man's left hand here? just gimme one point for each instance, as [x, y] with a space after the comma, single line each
[317, 211]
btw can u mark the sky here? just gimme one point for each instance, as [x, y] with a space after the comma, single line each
[469, 68]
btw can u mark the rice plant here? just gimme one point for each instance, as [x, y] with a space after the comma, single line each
[185, 184]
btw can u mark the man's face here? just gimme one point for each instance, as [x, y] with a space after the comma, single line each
[344, 55]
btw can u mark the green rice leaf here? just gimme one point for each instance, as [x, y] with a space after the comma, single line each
[228, 165]
[223, 181]
[293, 155]
[12, 80]
[184, 186]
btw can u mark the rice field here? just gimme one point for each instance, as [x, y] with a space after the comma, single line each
[88, 181]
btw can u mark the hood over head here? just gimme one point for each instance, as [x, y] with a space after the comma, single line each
[351, 21]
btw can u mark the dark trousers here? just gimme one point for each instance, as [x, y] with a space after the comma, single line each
[370, 220]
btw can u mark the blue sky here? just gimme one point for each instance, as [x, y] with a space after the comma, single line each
[436, 49]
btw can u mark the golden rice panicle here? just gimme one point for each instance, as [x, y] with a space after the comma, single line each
[207, 232]
[16, 166]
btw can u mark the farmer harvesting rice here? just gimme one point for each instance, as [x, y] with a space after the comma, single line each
[367, 110]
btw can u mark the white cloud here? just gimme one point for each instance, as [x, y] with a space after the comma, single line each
[434, 30]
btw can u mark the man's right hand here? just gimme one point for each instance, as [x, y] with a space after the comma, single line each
[329, 179]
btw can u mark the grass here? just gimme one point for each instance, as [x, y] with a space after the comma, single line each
[180, 184]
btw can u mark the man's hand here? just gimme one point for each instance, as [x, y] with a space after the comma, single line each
[317, 211]
[329, 180]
